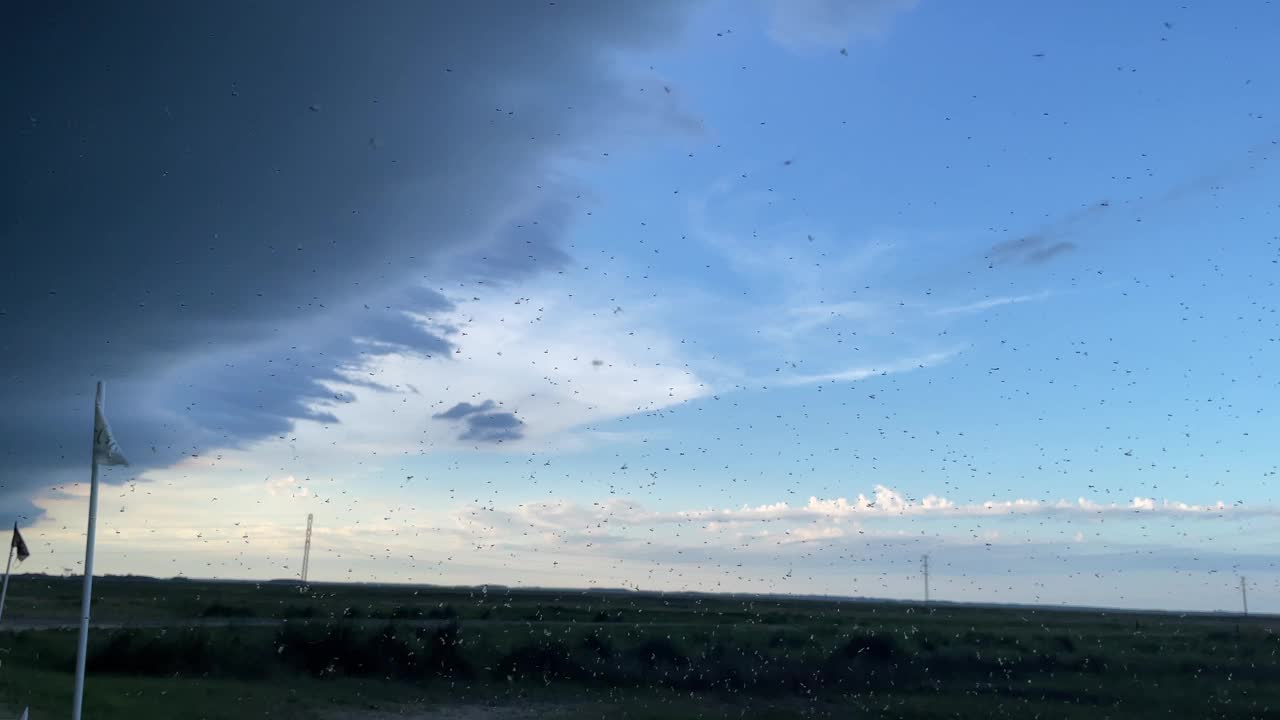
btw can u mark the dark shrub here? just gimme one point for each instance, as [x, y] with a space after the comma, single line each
[444, 612]
[657, 651]
[443, 649]
[880, 648]
[152, 652]
[392, 655]
[545, 660]
[598, 646]
[227, 611]
[346, 650]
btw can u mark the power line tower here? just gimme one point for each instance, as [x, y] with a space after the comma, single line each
[1244, 594]
[924, 563]
[306, 549]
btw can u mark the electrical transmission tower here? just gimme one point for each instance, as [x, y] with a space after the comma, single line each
[1244, 594]
[306, 550]
[924, 562]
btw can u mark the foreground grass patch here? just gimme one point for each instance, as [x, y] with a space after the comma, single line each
[48, 694]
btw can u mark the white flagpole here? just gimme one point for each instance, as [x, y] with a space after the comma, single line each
[5, 590]
[83, 650]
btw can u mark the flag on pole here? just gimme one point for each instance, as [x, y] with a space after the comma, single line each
[105, 452]
[16, 547]
[20, 544]
[105, 449]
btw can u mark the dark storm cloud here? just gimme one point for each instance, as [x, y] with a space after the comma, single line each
[483, 424]
[221, 207]
[463, 409]
[493, 427]
[1049, 240]
[1054, 238]
[1030, 250]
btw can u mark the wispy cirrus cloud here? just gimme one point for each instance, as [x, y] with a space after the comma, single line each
[821, 302]
[828, 24]
[989, 303]
[862, 372]
[797, 321]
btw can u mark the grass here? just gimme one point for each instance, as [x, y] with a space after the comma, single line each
[48, 694]
[210, 648]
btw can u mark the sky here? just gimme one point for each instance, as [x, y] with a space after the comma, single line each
[772, 296]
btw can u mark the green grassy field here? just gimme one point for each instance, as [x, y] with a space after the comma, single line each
[202, 649]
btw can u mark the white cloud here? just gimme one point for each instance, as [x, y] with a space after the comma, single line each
[560, 362]
[555, 361]
[853, 546]
[818, 519]
[286, 486]
[848, 545]
[1141, 503]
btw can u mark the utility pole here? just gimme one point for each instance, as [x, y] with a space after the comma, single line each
[306, 550]
[924, 561]
[1244, 594]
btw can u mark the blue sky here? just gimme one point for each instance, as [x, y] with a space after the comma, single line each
[1015, 257]
[928, 143]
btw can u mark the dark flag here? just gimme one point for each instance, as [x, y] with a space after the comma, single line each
[20, 544]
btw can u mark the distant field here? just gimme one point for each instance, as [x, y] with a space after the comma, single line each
[200, 649]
